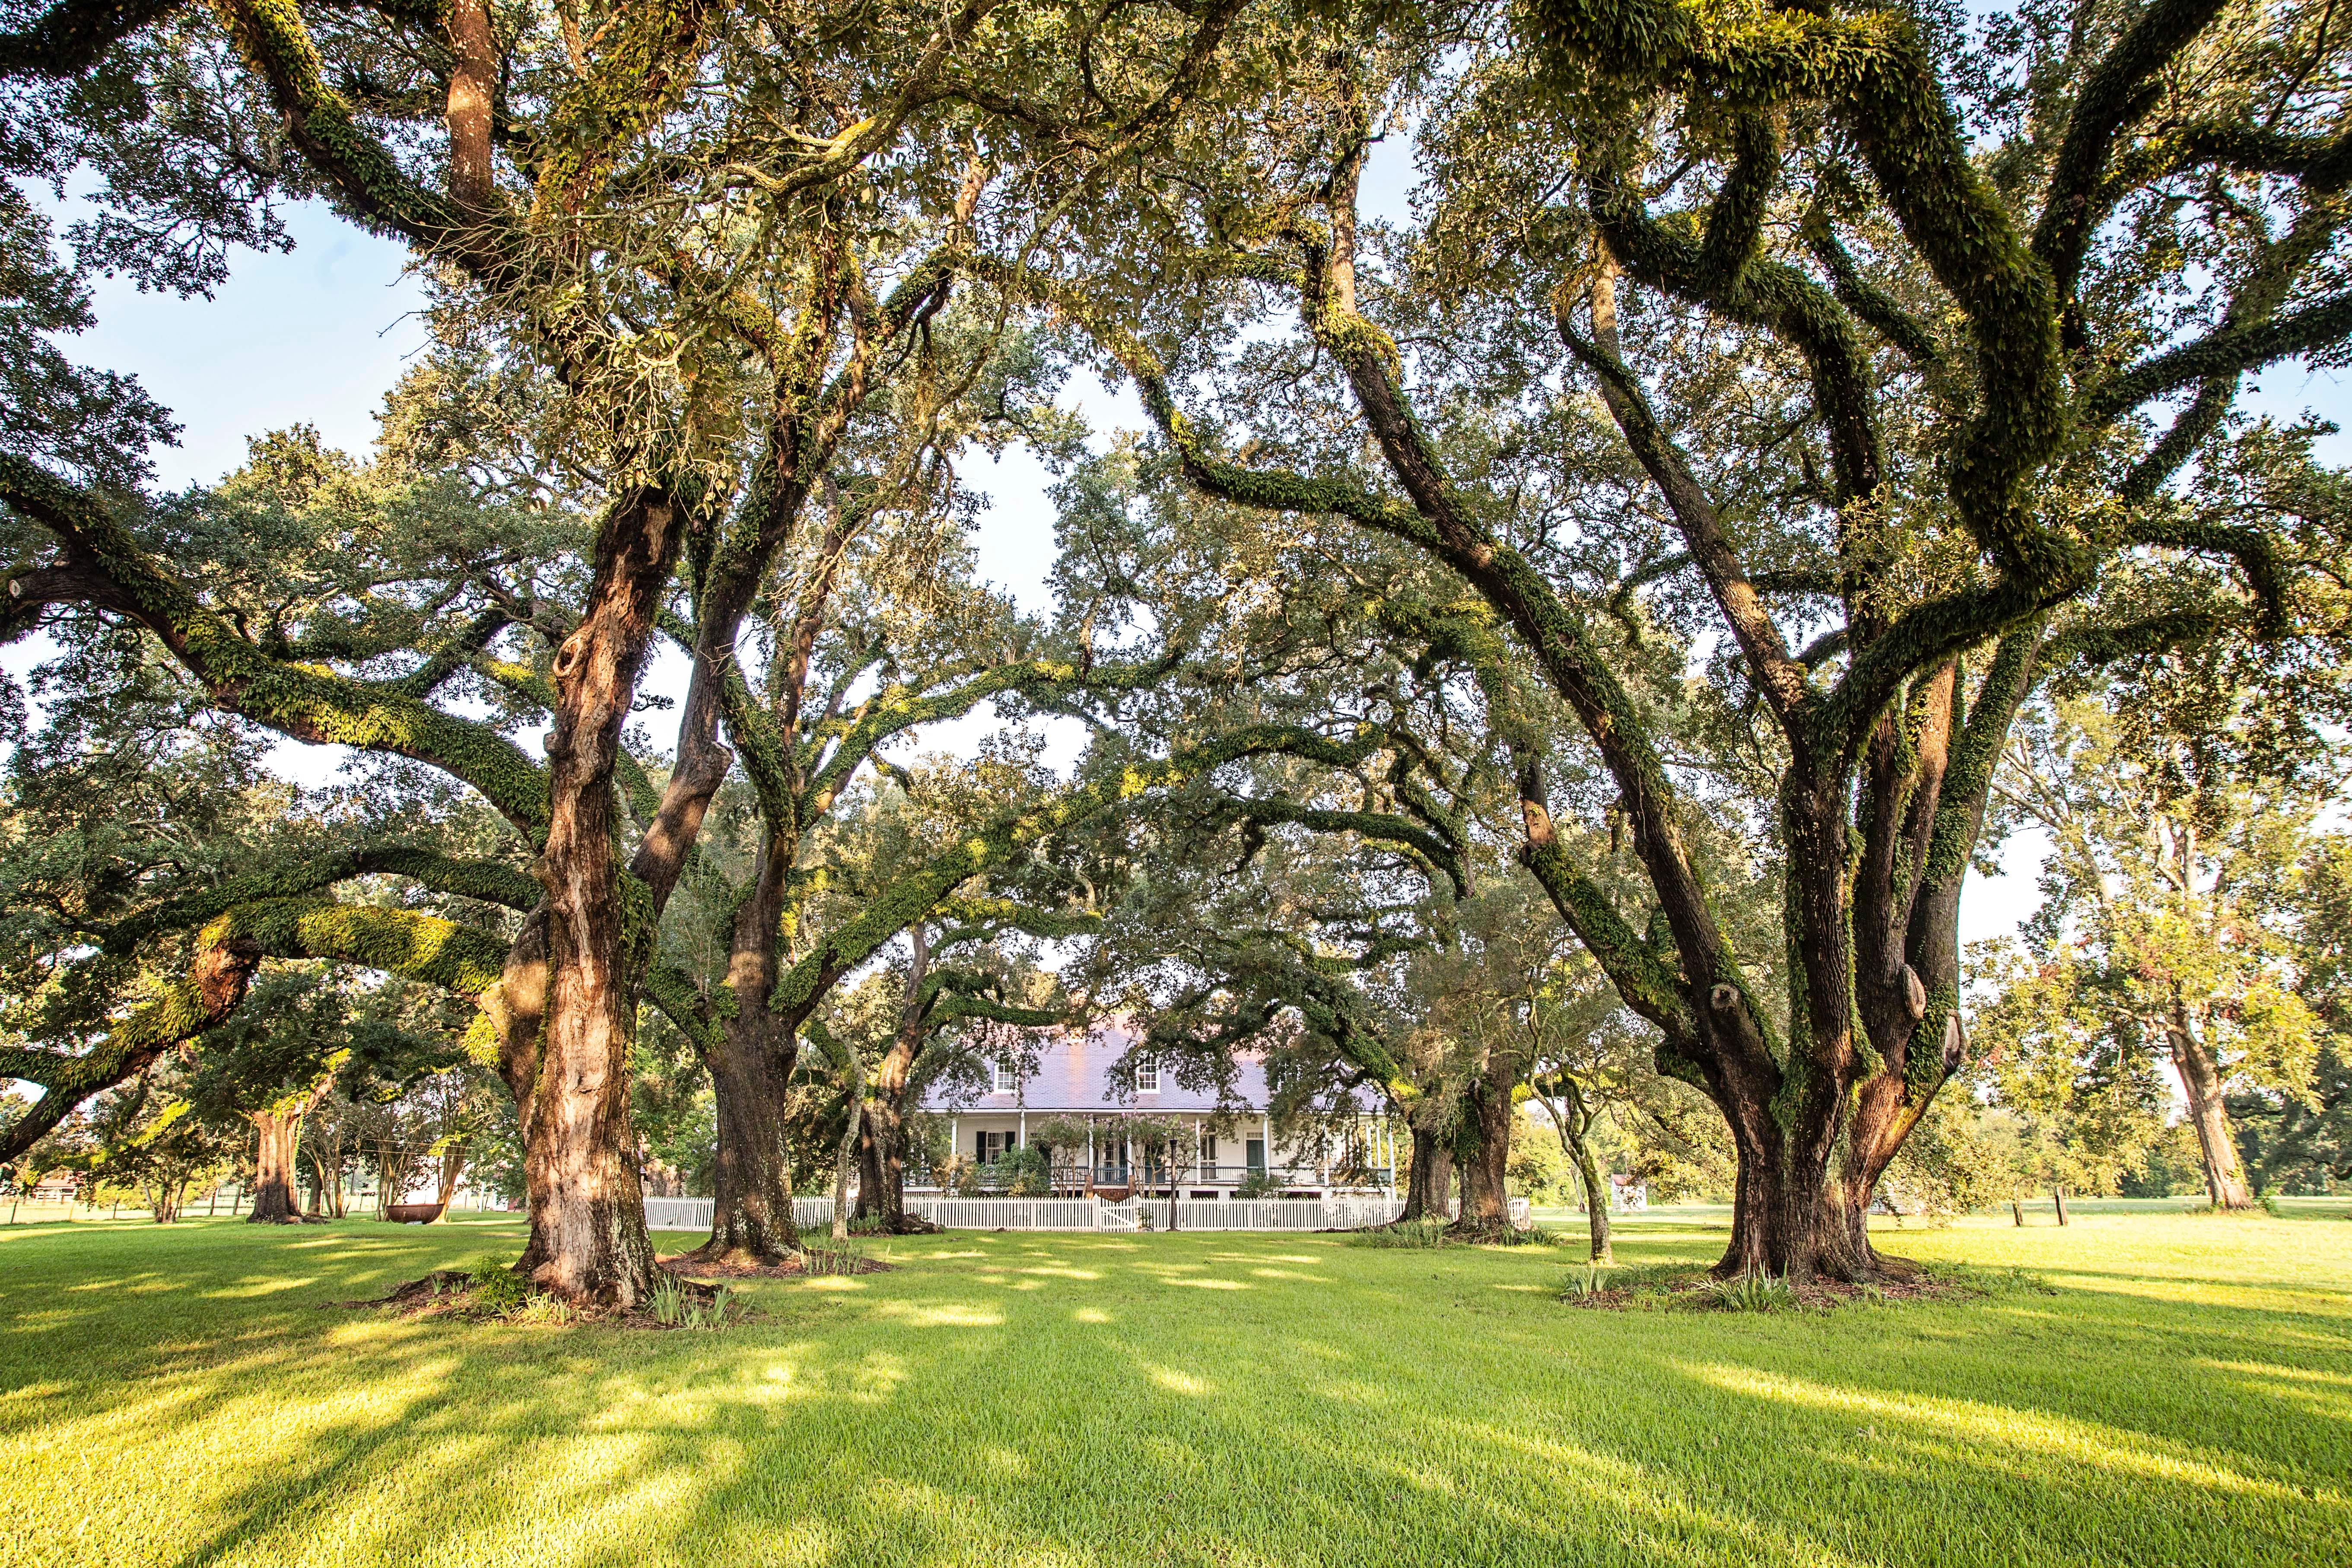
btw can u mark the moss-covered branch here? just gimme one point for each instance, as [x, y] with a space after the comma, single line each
[918, 892]
[1872, 69]
[303, 702]
[71, 37]
[277, 46]
[1440, 855]
[483, 880]
[2114, 95]
[403, 943]
[2226, 352]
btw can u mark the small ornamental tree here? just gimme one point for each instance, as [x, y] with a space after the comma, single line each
[149, 1139]
[1162, 1142]
[1063, 1139]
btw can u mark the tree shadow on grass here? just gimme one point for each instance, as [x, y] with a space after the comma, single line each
[1046, 1400]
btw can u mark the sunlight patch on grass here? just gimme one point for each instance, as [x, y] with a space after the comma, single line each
[1183, 1383]
[942, 1315]
[1981, 1428]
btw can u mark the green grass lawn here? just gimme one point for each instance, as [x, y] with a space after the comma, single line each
[189, 1397]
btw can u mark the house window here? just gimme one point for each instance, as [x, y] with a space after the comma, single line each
[1254, 1152]
[1147, 1078]
[1005, 1081]
[1209, 1155]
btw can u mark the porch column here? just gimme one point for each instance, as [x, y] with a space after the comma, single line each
[1090, 1156]
[1266, 1130]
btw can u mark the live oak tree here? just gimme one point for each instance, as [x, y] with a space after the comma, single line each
[270, 1063]
[1909, 363]
[663, 211]
[1310, 913]
[128, 791]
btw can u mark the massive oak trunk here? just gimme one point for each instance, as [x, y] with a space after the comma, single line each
[751, 1217]
[882, 1169]
[274, 1134]
[277, 1137]
[2200, 1082]
[588, 1240]
[1486, 1153]
[751, 1066]
[1429, 1185]
[873, 1206]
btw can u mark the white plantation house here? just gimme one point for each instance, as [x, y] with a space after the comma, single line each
[1232, 1146]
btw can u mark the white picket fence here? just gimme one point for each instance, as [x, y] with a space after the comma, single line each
[1077, 1214]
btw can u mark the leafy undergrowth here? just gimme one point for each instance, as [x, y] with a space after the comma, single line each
[1666, 1287]
[2133, 1389]
[493, 1292]
[813, 1260]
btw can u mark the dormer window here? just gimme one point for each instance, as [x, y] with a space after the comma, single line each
[1004, 1079]
[1147, 1078]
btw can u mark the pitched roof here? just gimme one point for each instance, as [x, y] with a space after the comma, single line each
[1074, 1074]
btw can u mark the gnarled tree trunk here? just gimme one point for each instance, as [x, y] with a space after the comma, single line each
[275, 1133]
[751, 1066]
[588, 1240]
[751, 1216]
[1429, 1185]
[1485, 1152]
[2201, 1081]
[278, 1135]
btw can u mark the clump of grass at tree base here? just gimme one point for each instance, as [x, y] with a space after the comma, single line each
[676, 1305]
[1646, 1285]
[866, 1420]
[498, 1289]
[1755, 1293]
[1403, 1233]
[833, 1257]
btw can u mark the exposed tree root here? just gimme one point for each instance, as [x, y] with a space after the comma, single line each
[693, 1266]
